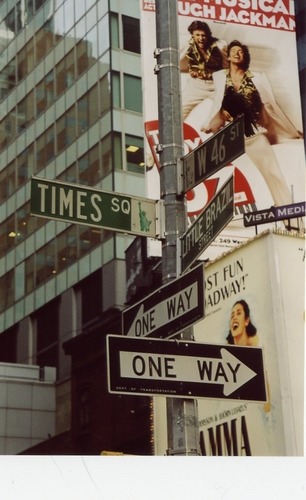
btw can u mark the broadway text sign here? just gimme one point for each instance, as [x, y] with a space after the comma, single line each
[184, 369]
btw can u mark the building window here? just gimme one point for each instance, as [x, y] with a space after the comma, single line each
[58, 24]
[25, 222]
[67, 249]
[70, 174]
[80, 8]
[82, 59]
[117, 151]
[82, 121]
[116, 91]
[47, 326]
[103, 31]
[66, 129]
[106, 155]
[7, 181]
[92, 42]
[89, 238]
[131, 34]
[29, 274]
[105, 94]
[70, 69]
[69, 14]
[8, 234]
[25, 60]
[45, 263]
[91, 288]
[30, 55]
[89, 167]
[8, 345]
[38, 4]
[114, 31]
[10, 21]
[132, 93]
[45, 93]
[45, 148]
[93, 105]
[8, 79]
[25, 165]
[134, 154]
[25, 112]
[83, 409]
[65, 73]
[28, 11]
[6, 291]
[8, 129]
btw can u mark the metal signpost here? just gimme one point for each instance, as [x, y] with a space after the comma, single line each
[218, 151]
[208, 225]
[168, 310]
[93, 207]
[182, 439]
[185, 369]
[274, 214]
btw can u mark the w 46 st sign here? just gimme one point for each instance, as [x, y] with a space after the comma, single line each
[218, 151]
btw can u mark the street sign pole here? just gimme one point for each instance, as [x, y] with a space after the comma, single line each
[182, 415]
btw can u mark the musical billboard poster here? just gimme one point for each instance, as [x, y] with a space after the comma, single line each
[254, 297]
[236, 57]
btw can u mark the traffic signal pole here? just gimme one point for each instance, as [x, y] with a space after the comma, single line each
[182, 414]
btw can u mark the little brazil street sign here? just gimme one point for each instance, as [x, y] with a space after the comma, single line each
[184, 369]
[218, 151]
[274, 214]
[169, 309]
[208, 225]
[93, 207]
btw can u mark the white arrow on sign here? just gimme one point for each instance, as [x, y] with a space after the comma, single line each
[227, 370]
[147, 322]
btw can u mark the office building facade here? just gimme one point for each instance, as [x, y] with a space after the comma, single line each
[70, 110]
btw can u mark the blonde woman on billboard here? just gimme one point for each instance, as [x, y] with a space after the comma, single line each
[238, 90]
[242, 331]
[204, 55]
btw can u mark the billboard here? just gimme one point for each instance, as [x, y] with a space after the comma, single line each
[254, 296]
[272, 171]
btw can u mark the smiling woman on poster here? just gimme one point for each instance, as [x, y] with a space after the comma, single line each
[238, 90]
[242, 331]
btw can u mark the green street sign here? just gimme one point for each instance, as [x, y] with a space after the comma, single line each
[215, 216]
[216, 152]
[92, 207]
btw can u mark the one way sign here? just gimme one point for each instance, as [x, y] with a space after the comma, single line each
[185, 369]
[169, 309]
